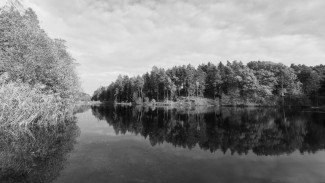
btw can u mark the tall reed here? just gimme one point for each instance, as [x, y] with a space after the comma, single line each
[22, 105]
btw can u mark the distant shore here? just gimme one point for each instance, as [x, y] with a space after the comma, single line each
[185, 102]
[201, 102]
[193, 102]
[180, 102]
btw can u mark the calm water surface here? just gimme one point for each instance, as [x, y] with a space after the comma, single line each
[124, 144]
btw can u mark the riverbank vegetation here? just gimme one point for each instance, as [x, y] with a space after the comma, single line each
[38, 81]
[22, 104]
[256, 83]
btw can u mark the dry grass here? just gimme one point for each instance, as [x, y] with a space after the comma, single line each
[22, 105]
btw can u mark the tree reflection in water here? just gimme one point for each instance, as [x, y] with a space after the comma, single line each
[38, 156]
[264, 131]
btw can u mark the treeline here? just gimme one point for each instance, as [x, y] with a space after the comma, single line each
[258, 82]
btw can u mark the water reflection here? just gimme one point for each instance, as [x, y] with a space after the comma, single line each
[38, 156]
[264, 131]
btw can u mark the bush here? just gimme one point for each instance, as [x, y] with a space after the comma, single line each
[139, 101]
[146, 100]
[153, 101]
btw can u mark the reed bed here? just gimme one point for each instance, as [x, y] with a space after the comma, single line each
[22, 105]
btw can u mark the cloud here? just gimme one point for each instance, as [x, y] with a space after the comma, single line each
[108, 37]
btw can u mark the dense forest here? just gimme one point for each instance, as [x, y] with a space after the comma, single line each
[257, 82]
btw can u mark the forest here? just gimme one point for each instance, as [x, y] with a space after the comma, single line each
[233, 83]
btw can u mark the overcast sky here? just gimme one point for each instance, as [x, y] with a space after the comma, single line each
[109, 37]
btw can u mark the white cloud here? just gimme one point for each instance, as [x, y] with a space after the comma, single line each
[113, 36]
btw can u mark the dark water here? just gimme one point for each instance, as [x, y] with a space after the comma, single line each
[124, 144]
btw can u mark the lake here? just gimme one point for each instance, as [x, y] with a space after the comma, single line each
[204, 144]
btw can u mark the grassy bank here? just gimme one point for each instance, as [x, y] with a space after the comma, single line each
[22, 105]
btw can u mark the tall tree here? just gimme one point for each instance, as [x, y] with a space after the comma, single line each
[30, 56]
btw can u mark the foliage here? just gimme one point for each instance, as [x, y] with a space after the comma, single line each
[308, 77]
[83, 97]
[28, 55]
[257, 83]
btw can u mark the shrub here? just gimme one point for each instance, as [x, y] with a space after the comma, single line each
[146, 100]
[139, 101]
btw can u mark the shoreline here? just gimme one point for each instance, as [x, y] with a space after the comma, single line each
[89, 103]
[185, 104]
